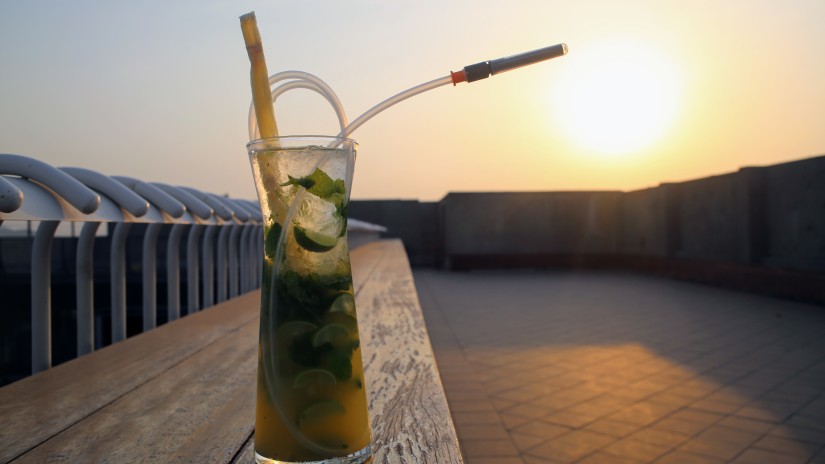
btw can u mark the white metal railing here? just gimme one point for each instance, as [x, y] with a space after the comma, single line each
[31, 190]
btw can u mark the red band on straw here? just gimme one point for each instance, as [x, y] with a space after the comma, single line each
[458, 77]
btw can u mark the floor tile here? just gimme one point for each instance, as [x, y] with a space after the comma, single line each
[476, 417]
[488, 448]
[494, 460]
[632, 449]
[759, 456]
[571, 446]
[806, 435]
[681, 426]
[659, 437]
[524, 442]
[681, 457]
[512, 421]
[541, 428]
[604, 458]
[612, 427]
[720, 442]
[747, 425]
[569, 419]
[786, 447]
[643, 413]
[483, 431]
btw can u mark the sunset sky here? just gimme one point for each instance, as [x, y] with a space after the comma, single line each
[651, 91]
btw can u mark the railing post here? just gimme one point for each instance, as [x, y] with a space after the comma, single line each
[252, 257]
[223, 245]
[85, 270]
[241, 262]
[233, 250]
[150, 276]
[117, 263]
[41, 296]
[192, 268]
[173, 272]
[243, 259]
[208, 269]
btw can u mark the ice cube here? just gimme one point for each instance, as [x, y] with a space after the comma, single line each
[319, 215]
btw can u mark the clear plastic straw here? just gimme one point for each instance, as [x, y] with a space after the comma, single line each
[398, 98]
[299, 80]
[304, 80]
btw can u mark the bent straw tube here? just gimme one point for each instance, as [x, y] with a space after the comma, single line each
[469, 74]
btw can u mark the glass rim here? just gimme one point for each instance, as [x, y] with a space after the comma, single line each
[329, 138]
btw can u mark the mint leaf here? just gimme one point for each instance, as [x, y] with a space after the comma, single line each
[318, 183]
[271, 236]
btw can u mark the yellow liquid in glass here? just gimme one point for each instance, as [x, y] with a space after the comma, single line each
[311, 403]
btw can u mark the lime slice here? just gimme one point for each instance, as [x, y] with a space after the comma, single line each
[314, 241]
[342, 319]
[314, 377]
[334, 334]
[318, 411]
[292, 329]
[345, 303]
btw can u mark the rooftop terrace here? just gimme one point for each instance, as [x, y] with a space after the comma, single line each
[562, 367]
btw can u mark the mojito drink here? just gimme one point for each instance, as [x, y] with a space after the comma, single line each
[311, 403]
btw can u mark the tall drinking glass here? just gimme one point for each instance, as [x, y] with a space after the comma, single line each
[311, 405]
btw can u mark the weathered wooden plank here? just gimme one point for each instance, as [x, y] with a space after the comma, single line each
[39, 407]
[202, 410]
[247, 454]
[410, 419]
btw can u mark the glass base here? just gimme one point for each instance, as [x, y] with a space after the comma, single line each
[355, 458]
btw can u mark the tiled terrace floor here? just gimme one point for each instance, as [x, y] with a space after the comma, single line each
[617, 368]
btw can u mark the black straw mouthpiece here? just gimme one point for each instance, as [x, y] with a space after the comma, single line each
[485, 69]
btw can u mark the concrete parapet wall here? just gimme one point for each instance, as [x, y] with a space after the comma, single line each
[795, 215]
[642, 225]
[529, 222]
[710, 218]
[760, 228]
[412, 221]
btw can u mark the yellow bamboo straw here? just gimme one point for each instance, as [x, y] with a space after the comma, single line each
[259, 77]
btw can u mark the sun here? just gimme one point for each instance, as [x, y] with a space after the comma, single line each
[617, 97]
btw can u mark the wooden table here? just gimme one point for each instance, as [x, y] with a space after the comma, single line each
[185, 392]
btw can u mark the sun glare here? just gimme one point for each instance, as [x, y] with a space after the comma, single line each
[618, 97]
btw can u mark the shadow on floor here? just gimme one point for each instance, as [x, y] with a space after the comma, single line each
[612, 367]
